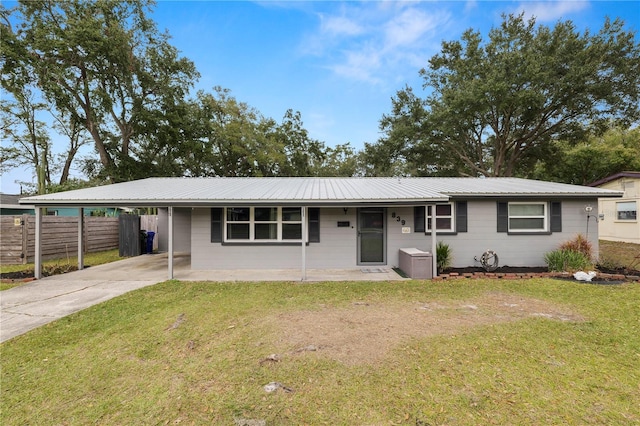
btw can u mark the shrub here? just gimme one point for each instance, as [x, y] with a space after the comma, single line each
[444, 257]
[610, 262]
[579, 244]
[564, 260]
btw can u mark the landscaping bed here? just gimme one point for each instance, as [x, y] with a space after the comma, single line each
[507, 272]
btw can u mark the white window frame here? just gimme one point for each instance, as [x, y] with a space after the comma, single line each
[252, 223]
[452, 216]
[619, 219]
[544, 216]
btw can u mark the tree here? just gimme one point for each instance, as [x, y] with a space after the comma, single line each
[495, 106]
[77, 137]
[339, 161]
[595, 158]
[104, 63]
[29, 143]
[230, 138]
[406, 149]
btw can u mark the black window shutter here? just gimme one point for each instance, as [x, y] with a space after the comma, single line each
[461, 216]
[314, 224]
[503, 217]
[216, 225]
[556, 216]
[418, 218]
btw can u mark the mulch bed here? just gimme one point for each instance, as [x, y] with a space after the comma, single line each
[502, 269]
[29, 275]
[509, 272]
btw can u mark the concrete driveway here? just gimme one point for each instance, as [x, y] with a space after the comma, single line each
[42, 301]
[39, 302]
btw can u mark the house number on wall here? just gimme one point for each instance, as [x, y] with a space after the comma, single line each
[402, 221]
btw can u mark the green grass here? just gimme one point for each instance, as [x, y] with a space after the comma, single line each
[62, 265]
[616, 254]
[121, 363]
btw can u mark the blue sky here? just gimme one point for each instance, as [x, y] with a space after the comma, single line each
[338, 63]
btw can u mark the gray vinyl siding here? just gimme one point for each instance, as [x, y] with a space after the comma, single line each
[336, 249]
[338, 245]
[397, 240]
[181, 230]
[513, 250]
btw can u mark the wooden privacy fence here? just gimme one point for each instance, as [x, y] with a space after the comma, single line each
[59, 237]
[130, 227]
[148, 223]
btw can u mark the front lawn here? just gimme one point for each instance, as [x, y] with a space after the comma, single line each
[619, 255]
[460, 352]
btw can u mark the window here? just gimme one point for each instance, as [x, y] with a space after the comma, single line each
[444, 217]
[291, 223]
[238, 223]
[527, 217]
[540, 217]
[268, 224]
[626, 210]
[263, 224]
[450, 217]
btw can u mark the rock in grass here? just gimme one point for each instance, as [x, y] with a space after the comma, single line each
[250, 422]
[274, 386]
[177, 323]
[271, 358]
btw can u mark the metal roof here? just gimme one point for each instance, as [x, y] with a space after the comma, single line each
[309, 191]
[627, 174]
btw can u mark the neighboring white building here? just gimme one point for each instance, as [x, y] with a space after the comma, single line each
[619, 217]
[341, 223]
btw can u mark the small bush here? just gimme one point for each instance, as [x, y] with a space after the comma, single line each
[564, 260]
[610, 262]
[443, 253]
[579, 244]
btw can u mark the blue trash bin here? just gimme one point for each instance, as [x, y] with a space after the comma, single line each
[150, 236]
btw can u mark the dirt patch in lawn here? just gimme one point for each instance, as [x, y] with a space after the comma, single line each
[364, 332]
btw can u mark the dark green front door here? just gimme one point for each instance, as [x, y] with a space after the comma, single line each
[371, 236]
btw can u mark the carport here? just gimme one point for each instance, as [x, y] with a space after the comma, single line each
[38, 235]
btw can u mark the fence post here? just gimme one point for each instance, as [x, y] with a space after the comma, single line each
[38, 248]
[80, 238]
[24, 229]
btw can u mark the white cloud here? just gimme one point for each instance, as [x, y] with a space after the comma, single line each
[320, 124]
[359, 65]
[406, 28]
[470, 5]
[548, 11]
[377, 42]
[339, 25]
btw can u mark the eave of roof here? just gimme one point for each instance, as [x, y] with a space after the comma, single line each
[200, 192]
[629, 174]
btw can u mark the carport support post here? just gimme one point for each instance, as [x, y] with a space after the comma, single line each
[434, 248]
[303, 211]
[80, 238]
[37, 273]
[170, 241]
